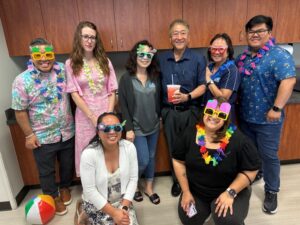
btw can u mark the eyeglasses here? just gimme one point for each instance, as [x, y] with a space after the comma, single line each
[107, 128]
[39, 56]
[87, 38]
[215, 50]
[258, 32]
[223, 111]
[145, 55]
[177, 33]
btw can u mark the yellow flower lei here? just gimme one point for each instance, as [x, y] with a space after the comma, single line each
[95, 88]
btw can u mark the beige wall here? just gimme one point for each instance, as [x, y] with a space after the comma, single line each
[8, 71]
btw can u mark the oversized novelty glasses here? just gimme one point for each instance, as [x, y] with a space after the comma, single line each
[87, 38]
[42, 56]
[211, 109]
[215, 50]
[145, 55]
[107, 128]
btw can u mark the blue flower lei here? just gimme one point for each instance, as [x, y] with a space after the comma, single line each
[43, 89]
[220, 71]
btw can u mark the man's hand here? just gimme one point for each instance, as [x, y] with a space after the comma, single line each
[32, 142]
[273, 116]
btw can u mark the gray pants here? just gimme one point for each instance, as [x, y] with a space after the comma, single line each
[204, 209]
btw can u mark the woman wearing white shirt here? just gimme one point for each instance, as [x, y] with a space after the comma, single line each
[109, 174]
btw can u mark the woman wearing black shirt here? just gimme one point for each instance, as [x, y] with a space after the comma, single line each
[215, 164]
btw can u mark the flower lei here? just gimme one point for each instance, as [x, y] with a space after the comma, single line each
[95, 88]
[45, 91]
[221, 69]
[248, 69]
[220, 153]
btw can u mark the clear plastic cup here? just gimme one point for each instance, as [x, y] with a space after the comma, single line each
[171, 89]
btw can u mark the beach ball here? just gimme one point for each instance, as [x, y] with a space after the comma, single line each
[40, 209]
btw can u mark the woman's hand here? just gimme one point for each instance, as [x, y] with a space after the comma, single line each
[121, 217]
[130, 135]
[224, 202]
[208, 74]
[186, 200]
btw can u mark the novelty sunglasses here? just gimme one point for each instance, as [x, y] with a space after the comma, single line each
[39, 56]
[107, 128]
[219, 50]
[147, 55]
[223, 111]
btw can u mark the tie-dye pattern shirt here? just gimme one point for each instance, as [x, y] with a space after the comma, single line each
[259, 90]
[51, 121]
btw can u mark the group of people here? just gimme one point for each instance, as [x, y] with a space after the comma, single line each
[213, 162]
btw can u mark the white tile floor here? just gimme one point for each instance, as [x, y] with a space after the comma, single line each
[166, 212]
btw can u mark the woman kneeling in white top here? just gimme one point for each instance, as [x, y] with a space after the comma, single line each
[109, 174]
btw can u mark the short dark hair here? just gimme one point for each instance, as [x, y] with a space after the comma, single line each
[259, 19]
[228, 41]
[178, 21]
[131, 65]
[39, 41]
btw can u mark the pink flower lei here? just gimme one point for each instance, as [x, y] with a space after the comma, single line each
[43, 89]
[248, 69]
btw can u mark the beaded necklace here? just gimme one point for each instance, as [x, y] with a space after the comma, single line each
[248, 69]
[45, 90]
[220, 71]
[95, 88]
[219, 154]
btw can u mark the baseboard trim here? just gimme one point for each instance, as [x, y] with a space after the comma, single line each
[22, 194]
[5, 206]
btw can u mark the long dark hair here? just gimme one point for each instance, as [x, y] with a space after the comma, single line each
[220, 134]
[131, 65]
[77, 53]
[228, 41]
[95, 141]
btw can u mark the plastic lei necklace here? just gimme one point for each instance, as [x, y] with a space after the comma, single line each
[222, 68]
[248, 69]
[44, 90]
[95, 88]
[219, 154]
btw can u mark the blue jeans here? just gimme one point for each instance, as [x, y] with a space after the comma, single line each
[146, 149]
[266, 137]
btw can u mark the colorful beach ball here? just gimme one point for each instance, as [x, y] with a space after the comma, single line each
[40, 209]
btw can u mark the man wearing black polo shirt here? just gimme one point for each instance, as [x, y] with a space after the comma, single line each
[183, 67]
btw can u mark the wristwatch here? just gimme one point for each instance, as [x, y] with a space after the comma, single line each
[276, 109]
[231, 192]
[209, 82]
[125, 208]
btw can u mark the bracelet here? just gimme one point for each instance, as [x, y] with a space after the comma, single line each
[29, 136]
[246, 175]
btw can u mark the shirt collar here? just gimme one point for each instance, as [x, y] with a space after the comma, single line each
[187, 55]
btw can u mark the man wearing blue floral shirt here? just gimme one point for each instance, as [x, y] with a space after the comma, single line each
[268, 78]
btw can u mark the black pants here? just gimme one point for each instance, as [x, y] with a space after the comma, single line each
[204, 209]
[175, 122]
[45, 157]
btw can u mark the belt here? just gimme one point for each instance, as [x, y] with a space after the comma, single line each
[179, 108]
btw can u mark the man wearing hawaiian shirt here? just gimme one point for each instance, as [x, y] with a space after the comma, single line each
[268, 78]
[43, 112]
